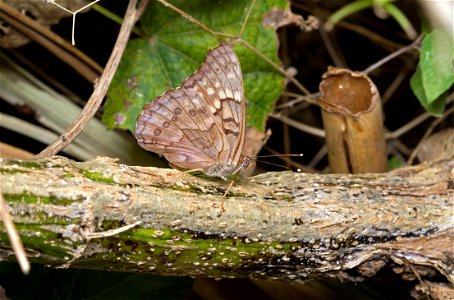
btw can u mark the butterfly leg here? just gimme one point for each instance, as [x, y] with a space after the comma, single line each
[225, 195]
[193, 171]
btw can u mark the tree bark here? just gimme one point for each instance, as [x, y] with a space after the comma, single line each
[286, 226]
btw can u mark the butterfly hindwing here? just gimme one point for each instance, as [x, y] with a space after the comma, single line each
[201, 124]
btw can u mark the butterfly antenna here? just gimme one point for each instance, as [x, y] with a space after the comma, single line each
[285, 158]
[276, 165]
[277, 155]
[282, 156]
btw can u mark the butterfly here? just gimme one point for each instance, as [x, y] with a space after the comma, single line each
[201, 124]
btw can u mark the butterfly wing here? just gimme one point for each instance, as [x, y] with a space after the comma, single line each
[200, 124]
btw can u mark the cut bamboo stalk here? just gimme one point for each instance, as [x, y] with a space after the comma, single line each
[352, 117]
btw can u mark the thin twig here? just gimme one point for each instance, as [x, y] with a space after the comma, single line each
[142, 5]
[109, 233]
[409, 126]
[286, 141]
[305, 128]
[75, 58]
[338, 60]
[368, 34]
[96, 98]
[401, 147]
[42, 73]
[394, 85]
[285, 99]
[74, 15]
[297, 108]
[276, 66]
[318, 157]
[428, 133]
[14, 238]
[377, 39]
[392, 55]
[424, 286]
[396, 154]
[298, 98]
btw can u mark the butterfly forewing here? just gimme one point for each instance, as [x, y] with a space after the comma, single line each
[200, 125]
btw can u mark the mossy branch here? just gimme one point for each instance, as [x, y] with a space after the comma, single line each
[284, 225]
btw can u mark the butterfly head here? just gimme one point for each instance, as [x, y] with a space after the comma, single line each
[225, 170]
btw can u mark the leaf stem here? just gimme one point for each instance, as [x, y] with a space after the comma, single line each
[276, 66]
[246, 19]
[195, 21]
[400, 18]
[113, 17]
[345, 11]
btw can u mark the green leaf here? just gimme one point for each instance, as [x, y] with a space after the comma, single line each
[436, 64]
[435, 107]
[174, 47]
[394, 163]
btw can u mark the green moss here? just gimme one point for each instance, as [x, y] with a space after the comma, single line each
[44, 218]
[12, 171]
[28, 198]
[25, 164]
[35, 237]
[181, 248]
[157, 236]
[97, 176]
[286, 198]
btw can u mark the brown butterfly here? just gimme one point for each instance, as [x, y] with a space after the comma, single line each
[200, 125]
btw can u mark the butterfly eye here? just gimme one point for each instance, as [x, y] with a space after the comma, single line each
[245, 162]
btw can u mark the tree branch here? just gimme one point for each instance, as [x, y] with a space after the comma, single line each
[287, 226]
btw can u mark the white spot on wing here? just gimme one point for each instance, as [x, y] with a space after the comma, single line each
[237, 96]
[231, 75]
[217, 104]
[229, 93]
[210, 91]
[221, 94]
